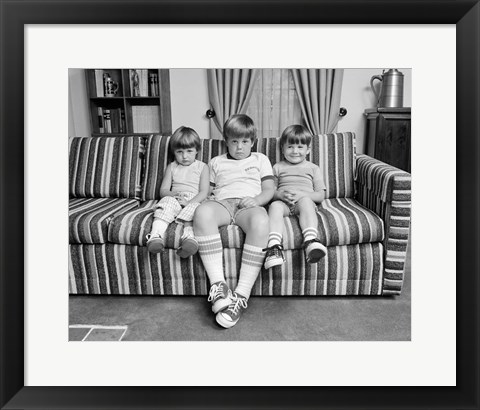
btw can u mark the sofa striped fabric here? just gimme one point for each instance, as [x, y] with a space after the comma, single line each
[156, 161]
[104, 167]
[89, 218]
[387, 191]
[132, 270]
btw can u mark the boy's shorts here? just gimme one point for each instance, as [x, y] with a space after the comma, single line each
[231, 205]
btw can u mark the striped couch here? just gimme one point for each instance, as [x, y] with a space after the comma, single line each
[114, 185]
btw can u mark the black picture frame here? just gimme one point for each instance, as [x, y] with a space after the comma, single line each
[15, 14]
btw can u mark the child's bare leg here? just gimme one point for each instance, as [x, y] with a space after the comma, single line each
[208, 217]
[276, 212]
[254, 222]
[307, 215]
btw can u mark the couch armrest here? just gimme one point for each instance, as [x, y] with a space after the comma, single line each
[386, 190]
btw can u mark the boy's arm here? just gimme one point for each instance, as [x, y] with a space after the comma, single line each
[167, 183]
[268, 189]
[203, 187]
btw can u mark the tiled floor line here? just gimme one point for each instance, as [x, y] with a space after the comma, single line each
[93, 327]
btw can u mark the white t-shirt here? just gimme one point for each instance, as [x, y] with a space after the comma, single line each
[239, 178]
[186, 178]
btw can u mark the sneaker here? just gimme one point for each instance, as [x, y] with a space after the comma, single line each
[231, 315]
[274, 256]
[155, 243]
[220, 296]
[314, 250]
[188, 247]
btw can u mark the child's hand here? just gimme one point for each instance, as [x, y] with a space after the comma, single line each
[181, 198]
[248, 202]
[287, 197]
[295, 196]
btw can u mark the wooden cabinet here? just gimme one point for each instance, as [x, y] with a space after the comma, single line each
[388, 135]
[129, 101]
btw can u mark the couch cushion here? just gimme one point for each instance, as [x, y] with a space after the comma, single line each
[89, 217]
[131, 227]
[156, 160]
[105, 167]
[340, 222]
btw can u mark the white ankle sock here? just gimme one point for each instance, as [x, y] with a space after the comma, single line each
[309, 233]
[159, 227]
[252, 261]
[187, 231]
[211, 252]
[274, 238]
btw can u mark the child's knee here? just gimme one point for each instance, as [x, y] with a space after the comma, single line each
[276, 208]
[306, 203]
[203, 215]
[259, 221]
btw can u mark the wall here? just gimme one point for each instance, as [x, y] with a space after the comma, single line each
[189, 99]
[78, 119]
[357, 96]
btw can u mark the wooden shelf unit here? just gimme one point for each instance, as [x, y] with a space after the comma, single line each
[129, 114]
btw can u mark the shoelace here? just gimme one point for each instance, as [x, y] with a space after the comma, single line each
[276, 250]
[215, 290]
[238, 301]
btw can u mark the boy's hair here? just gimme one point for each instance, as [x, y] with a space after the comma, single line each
[184, 137]
[295, 134]
[240, 126]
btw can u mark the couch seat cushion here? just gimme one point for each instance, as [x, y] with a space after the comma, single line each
[89, 217]
[341, 221]
[132, 227]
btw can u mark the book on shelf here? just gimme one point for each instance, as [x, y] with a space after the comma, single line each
[122, 127]
[134, 78]
[139, 82]
[99, 83]
[153, 83]
[107, 121]
[114, 120]
[101, 128]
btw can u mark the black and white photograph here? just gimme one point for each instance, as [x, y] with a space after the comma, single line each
[264, 204]
[239, 204]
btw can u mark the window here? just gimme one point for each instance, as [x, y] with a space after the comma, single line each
[274, 104]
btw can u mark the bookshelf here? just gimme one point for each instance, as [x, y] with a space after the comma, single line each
[129, 101]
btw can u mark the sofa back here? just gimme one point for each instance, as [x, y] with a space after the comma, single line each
[105, 167]
[113, 166]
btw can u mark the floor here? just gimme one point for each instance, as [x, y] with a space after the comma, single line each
[189, 318]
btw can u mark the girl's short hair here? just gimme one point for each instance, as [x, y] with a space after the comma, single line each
[295, 134]
[240, 126]
[184, 137]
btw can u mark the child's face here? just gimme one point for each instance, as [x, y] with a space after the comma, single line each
[239, 148]
[295, 153]
[185, 156]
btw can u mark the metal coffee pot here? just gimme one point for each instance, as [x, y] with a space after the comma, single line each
[391, 91]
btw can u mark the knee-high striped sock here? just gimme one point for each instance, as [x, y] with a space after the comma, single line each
[274, 238]
[252, 261]
[309, 233]
[211, 252]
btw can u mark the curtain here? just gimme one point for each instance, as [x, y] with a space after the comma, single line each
[319, 93]
[229, 91]
[274, 104]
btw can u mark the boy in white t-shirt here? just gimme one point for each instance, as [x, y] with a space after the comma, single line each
[242, 183]
[299, 188]
[184, 186]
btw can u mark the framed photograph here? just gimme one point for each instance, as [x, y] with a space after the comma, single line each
[41, 41]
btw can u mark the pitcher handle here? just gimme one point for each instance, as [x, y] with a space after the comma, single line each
[379, 78]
